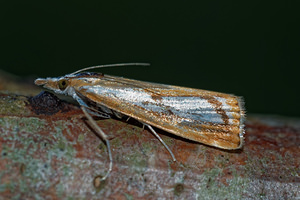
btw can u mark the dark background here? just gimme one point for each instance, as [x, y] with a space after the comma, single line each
[248, 48]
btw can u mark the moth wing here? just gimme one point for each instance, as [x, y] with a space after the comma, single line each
[208, 117]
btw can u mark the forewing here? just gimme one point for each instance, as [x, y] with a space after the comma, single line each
[208, 117]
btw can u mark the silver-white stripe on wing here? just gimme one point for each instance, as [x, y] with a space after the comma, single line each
[187, 109]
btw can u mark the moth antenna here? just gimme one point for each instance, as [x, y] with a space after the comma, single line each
[109, 65]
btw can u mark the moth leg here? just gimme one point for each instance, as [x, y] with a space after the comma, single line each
[103, 136]
[143, 127]
[159, 138]
[90, 109]
[128, 119]
[96, 112]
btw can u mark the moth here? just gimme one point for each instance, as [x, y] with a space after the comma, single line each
[207, 117]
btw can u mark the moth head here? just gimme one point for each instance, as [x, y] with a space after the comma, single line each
[58, 85]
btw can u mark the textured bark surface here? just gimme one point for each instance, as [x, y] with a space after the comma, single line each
[48, 151]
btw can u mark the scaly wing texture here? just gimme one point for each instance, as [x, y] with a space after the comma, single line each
[208, 117]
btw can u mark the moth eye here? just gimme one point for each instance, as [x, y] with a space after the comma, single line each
[62, 84]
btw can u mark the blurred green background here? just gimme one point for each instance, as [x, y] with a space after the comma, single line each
[248, 48]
